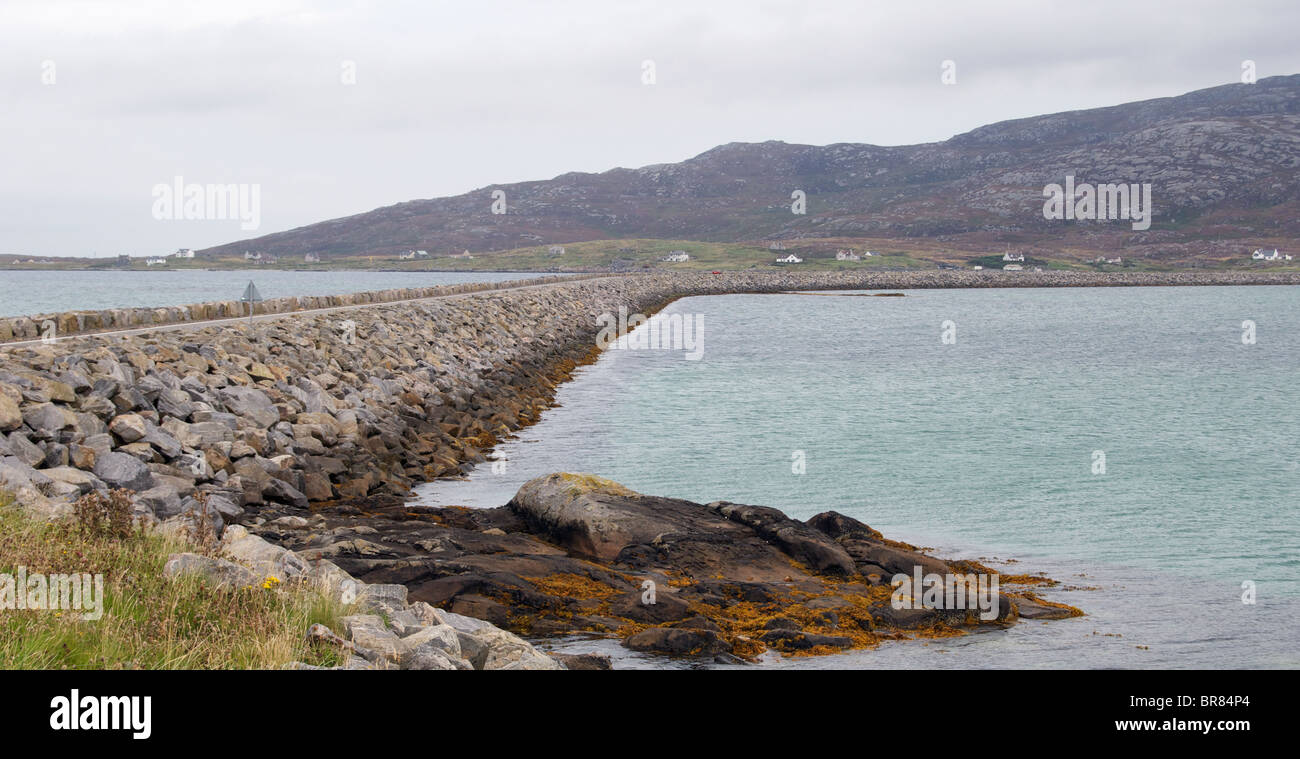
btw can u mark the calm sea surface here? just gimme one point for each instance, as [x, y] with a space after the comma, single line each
[41, 292]
[985, 448]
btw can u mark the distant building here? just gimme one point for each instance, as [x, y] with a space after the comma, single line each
[555, 250]
[790, 259]
[155, 261]
[978, 268]
[251, 256]
[867, 253]
[312, 258]
[847, 255]
[123, 259]
[407, 256]
[183, 253]
[1263, 255]
[462, 254]
[1012, 267]
[1009, 256]
[677, 256]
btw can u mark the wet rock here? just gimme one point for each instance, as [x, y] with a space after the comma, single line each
[798, 640]
[1031, 609]
[666, 608]
[676, 641]
[801, 542]
[583, 661]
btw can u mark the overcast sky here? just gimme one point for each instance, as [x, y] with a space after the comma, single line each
[452, 96]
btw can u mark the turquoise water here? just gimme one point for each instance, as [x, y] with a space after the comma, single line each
[986, 448]
[43, 292]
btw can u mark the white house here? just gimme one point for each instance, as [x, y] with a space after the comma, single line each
[312, 258]
[1009, 256]
[1012, 267]
[847, 255]
[1263, 255]
[978, 268]
[251, 256]
[867, 253]
[155, 261]
[555, 250]
[677, 256]
[183, 253]
[790, 259]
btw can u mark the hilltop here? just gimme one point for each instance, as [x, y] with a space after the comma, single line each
[1224, 163]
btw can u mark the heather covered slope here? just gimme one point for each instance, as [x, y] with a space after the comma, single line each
[1223, 162]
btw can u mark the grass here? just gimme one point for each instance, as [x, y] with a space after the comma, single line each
[149, 621]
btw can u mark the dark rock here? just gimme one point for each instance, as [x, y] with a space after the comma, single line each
[677, 641]
[582, 661]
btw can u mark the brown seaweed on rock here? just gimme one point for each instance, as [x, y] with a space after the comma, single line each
[577, 553]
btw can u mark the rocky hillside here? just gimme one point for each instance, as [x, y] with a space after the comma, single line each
[1224, 165]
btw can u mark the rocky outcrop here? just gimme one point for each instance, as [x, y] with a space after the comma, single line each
[574, 553]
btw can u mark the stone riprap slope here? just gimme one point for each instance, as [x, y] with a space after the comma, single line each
[291, 410]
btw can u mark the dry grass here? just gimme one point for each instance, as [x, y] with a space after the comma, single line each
[148, 621]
